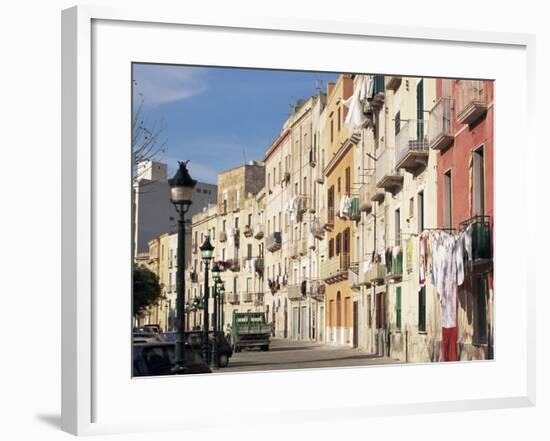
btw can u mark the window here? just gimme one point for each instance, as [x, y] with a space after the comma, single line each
[480, 312]
[330, 201]
[397, 122]
[213, 233]
[380, 311]
[479, 182]
[369, 311]
[339, 182]
[331, 248]
[236, 222]
[331, 130]
[348, 180]
[420, 202]
[411, 207]
[224, 226]
[420, 110]
[249, 251]
[448, 205]
[398, 307]
[269, 181]
[397, 227]
[223, 254]
[338, 243]
[304, 190]
[338, 119]
[250, 220]
[248, 284]
[422, 309]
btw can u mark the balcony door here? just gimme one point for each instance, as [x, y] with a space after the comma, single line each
[478, 182]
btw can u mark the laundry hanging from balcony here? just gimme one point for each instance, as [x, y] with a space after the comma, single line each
[344, 210]
[355, 117]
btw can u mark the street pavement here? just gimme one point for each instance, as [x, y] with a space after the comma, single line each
[291, 354]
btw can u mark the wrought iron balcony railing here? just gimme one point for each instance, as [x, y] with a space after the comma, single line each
[440, 135]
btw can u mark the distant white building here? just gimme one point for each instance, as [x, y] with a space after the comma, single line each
[153, 213]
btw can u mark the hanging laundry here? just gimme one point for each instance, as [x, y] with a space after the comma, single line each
[422, 265]
[345, 206]
[468, 241]
[355, 117]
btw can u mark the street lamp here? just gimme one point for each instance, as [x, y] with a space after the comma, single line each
[207, 252]
[216, 278]
[181, 192]
[221, 301]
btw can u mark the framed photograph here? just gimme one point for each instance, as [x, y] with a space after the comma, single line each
[311, 214]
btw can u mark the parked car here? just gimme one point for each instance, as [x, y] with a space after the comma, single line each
[159, 359]
[194, 338]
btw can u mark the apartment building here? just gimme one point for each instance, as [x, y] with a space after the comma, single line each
[342, 303]
[463, 137]
[239, 245]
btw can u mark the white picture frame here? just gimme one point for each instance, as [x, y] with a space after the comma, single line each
[82, 394]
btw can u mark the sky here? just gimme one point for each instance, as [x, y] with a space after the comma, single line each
[218, 117]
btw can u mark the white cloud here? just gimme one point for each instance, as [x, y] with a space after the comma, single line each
[160, 84]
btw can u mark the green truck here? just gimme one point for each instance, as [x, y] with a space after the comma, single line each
[249, 330]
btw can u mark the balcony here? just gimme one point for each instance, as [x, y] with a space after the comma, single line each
[316, 229]
[376, 273]
[222, 208]
[247, 231]
[376, 194]
[365, 203]
[471, 101]
[440, 135]
[316, 290]
[378, 94]
[222, 236]
[273, 242]
[236, 205]
[258, 298]
[363, 276]
[233, 265]
[194, 276]
[387, 177]
[259, 266]
[355, 213]
[336, 268]
[286, 178]
[353, 277]
[248, 297]
[295, 292]
[411, 146]
[481, 239]
[393, 83]
[258, 231]
[328, 221]
[396, 267]
[232, 298]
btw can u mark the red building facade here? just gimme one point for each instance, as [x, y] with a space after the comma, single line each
[464, 119]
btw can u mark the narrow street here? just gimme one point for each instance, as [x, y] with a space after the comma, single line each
[290, 354]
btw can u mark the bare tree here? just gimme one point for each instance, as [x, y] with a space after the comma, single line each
[146, 137]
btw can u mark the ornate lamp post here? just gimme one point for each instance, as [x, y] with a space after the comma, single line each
[216, 278]
[207, 251]
[221, 301]
[181, 191]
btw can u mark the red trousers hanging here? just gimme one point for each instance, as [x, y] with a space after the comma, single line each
[449, 337]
